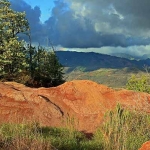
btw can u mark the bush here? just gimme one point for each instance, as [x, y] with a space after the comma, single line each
[138, 84]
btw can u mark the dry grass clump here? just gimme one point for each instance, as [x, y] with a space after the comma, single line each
[22, 137]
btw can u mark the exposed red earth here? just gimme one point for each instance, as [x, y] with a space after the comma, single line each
[145, 146]
[84, 101]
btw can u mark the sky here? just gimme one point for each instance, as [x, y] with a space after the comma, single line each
[103, 26]
[45, 7]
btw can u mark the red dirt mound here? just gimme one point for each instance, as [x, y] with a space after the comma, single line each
[145, 146]
[84, 101]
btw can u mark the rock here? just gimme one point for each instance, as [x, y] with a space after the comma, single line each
[145, 146]
[81, 103]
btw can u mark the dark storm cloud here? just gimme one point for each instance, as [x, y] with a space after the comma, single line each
[33, 16]
[129, 17]
[97, 23]
[91, 23]
[69, 31]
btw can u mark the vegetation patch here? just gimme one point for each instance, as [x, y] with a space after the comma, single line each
[20, 61]
[122, 129]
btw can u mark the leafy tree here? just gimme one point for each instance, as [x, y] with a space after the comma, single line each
[25, 64]
[12, 51]
[138, 84]
[53, 69]
[45, 67]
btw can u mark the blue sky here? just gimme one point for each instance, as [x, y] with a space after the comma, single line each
[45, 6]
[90, 25]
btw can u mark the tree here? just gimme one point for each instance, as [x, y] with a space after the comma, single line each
[53, 69]
[46, 69]
[21, 63]
[12, 51]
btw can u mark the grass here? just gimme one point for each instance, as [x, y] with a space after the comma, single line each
[125, 129]
[122, 130]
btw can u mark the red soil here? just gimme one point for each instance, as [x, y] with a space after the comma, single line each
[145, 146]
[84, 101]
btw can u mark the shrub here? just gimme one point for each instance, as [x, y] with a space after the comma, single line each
[138, 84]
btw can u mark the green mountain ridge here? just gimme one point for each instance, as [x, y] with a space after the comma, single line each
[92, 61]
[104, 69]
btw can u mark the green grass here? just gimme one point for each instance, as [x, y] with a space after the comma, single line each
[122, 130]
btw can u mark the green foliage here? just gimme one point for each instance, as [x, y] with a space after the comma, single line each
[114, 129]
[20, 63]
[124, 129]
[138, 84]
[138, 130]
[12, 52]
[44, 67]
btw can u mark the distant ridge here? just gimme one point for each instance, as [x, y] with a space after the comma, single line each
[92, 61]
[124, 55]
[131, 57]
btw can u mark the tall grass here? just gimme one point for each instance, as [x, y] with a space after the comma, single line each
[22, 137]
[122, 130]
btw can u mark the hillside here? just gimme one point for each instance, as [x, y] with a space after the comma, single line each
[116, 78]
[84, 101]
[104, 69]
[131, 57]
[124, 55]
[92, 61]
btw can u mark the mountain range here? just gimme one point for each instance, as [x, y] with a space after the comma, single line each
[90, 61]
[105, 69]
[131, 57]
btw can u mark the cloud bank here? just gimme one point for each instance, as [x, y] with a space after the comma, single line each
[91, 23]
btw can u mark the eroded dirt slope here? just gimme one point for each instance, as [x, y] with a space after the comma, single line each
[83, 100]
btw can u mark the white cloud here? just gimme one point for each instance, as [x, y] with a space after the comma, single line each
[132, 50]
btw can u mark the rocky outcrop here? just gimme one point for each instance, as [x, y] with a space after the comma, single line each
[145, 146]
[82, 103]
